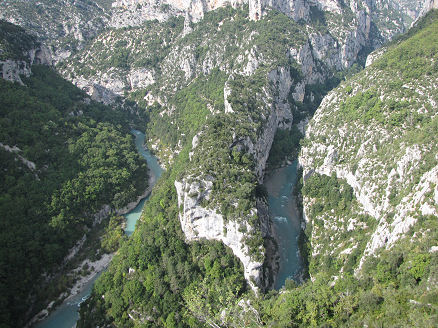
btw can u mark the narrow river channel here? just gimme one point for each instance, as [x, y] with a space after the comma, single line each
[286, 220]
[66, 315]
[282, 208]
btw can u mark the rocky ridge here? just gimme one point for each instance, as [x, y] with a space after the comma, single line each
[194, 51]
[363, 134]
[18, 52]
[198, 221]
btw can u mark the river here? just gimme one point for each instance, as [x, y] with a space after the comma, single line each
[286, 220]
[66, 315]
[282, 208]
[155, 170]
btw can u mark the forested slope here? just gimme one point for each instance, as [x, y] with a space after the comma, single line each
[63, 157]
[158, 280]
[370, 195]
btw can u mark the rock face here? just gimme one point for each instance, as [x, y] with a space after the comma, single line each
[135, 12]
[198, 221]
[82, 20]
[297, 9]
[60, 24]
[11, 69]
[393, 177]
[429, 5]
[16, 150]
[105, 90]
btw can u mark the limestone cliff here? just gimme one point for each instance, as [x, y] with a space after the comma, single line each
[135, 12]
[18, 52]
[200, 220]
[12, 69]
[363, 134]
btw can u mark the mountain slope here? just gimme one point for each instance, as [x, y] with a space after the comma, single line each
[377, 131]
[216, 87]
[63, 159]
[370, 196]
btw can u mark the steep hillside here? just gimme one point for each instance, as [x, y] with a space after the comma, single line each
[218, 82]
[370, 195]
[64, 159]
[377, 132]
[62, 25]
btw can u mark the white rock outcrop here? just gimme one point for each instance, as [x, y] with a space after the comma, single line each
[198, 222]
[135, 12]
[31, 165]
[141, 78]
[11, 69]
[429, 5]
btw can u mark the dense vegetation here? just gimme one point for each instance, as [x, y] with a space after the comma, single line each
[284, 146]
[13, 39]
[72, 156]
[158, 279]
[398, 288]
[190, 108]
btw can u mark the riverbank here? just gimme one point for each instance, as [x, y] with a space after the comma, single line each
[93, 268]
[132, 205]
[87, 267]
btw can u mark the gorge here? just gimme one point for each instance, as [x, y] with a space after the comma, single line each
[66, 315]
[225, 93]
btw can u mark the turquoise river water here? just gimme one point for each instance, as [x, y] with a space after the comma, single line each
[286, 220]
[66, 315]
[282, 208]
